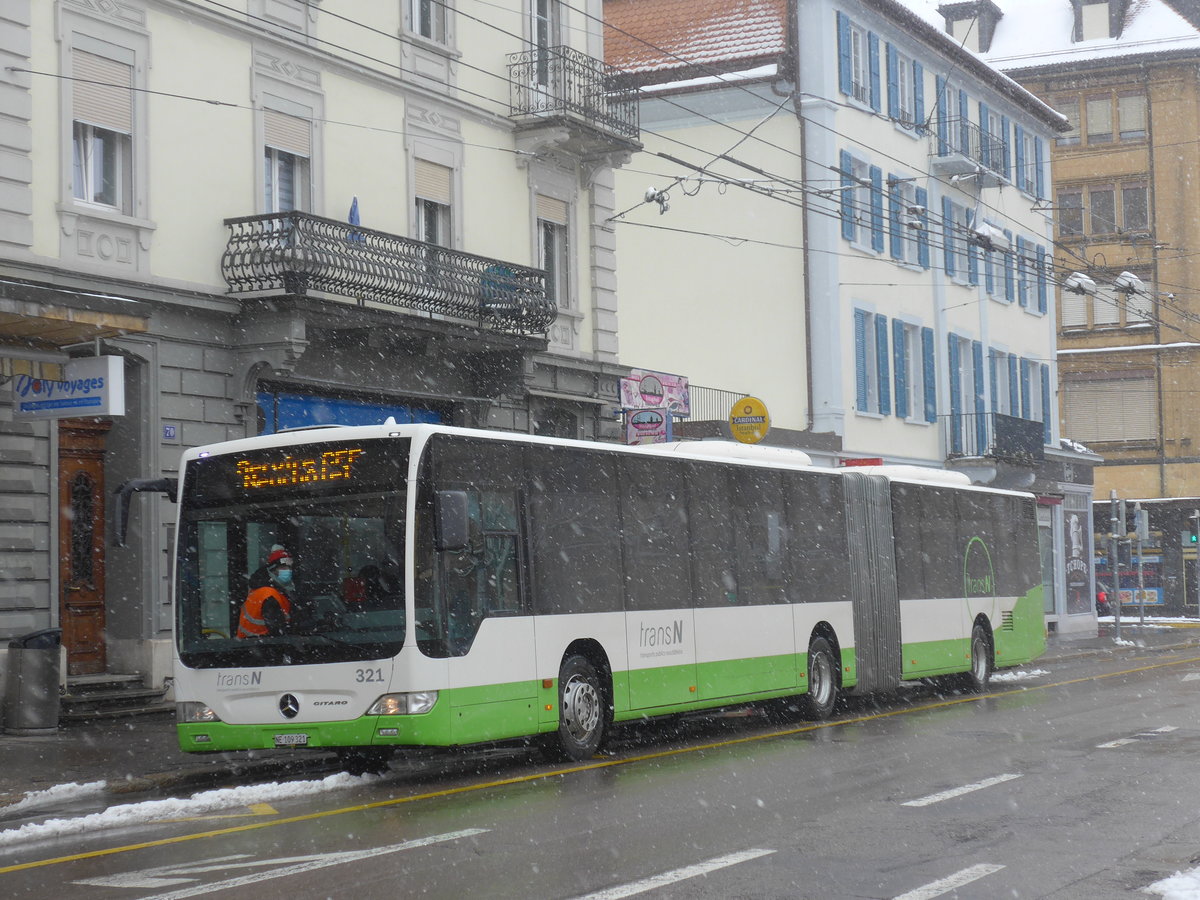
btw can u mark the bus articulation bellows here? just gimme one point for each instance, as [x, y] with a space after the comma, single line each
[454, 586]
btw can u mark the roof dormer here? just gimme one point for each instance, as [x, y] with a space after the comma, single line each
[972, 23]
[1097, 20]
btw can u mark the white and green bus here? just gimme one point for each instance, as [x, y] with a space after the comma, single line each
[458, 586]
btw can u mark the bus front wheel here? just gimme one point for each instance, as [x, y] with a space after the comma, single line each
[822, 680]
[582, 710]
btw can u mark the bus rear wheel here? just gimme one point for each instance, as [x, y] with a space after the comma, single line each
[582, 711]
[822, 681]
[975, 679]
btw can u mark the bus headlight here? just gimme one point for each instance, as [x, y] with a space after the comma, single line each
[192, 711]
[411, 704]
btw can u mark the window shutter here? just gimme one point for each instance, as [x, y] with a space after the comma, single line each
[989, 272]
[923, 232]
[881, 360]
[846, 164]
[900, 361]
[1074, 309]
[877, 209]
[101, 94]
[972, 263]
[1022, 272]
[1004, 152]
[1039, 177]
[893, 83]
[1014, 385]
[985, 144]
[947, 236]
[431, 181]
[896, 226]
[994, 358]
[1022, 176]
[1042, 297]
[964, 123]
[1009, 280]
[1025, 398]
[942, 125]
[1110, 409]
[845, 79]
[919, 94]
[929, 373]
[873, 63]
[956, 375]
[860, 360]
[550, 209]
[291, 134]
[1046, 411]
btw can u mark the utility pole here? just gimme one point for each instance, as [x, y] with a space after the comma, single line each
[1114, 563]
[1141, 528]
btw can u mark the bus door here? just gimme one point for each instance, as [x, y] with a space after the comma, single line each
[873, 589]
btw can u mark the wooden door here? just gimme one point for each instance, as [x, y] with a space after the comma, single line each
[81, 513]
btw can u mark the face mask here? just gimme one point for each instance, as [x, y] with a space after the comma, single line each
[284, 576]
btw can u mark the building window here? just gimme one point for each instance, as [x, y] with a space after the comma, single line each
[862, 203]
[1103, 409]
[101, 133]
[1069, 107]
[1111, 209]
[913, 349]
[1099, 119]
[858, 62]
[433, 194]
[546, 28]
[871, 366]
[286, 170]
[1131, 114]
[1107, 117]
[553, 249]
[1108, 307]
[1027, 175]
[429, 19]
[902, 74]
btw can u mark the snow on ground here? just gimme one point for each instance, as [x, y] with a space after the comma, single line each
[1180, 886]
[161, 810]
[1018, 675]
[57, 794]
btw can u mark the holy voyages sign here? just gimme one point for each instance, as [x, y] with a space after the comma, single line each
[93, 386]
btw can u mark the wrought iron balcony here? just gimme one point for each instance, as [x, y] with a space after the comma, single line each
[295, 252]
[995, 436]
[562, 82]
[961, 148]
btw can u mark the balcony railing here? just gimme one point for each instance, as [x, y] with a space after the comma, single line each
[711, 404]
[561, 81]
[996, 436]
[962, 146]
[295, 252]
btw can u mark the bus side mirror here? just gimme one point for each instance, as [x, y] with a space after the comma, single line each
[452, 520]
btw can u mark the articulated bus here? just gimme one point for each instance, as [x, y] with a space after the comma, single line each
[456, 587]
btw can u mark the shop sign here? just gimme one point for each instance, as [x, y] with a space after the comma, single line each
[749, 420]
[93, 386]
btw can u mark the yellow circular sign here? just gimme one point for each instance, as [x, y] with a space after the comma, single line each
[749, 420]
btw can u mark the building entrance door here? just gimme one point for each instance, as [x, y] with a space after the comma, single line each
[81, 543]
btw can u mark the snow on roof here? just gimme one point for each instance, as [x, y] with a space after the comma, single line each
[1035, 33]
[654, 35]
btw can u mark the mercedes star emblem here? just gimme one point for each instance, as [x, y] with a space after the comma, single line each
[289, 706]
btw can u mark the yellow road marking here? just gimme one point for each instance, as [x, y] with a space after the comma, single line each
[585, 767]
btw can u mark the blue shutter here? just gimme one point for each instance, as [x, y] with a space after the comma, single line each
[994, 357]
[873, 64]
[845, 78]
[1039, 177]
[1014, 385]
[846, 164]
[860, 360]
[1004, 151]
[1041, 279]
[964, 123]
[923, 232]
[1046, 411]
[881, 360]
[929, 373]
[919, 94]
[989, 274]
[972, 263]
[942, 125]
[877, 238]
[1022, 176]
[985, 144]
[1025, 389]
[895, 209]
[981, 436]
[947, 236]
[893, 83]
[1022, 273]
[900, 361]
[1009, 283]
[955, 395]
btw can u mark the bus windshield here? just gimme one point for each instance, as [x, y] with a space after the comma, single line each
[343, 538]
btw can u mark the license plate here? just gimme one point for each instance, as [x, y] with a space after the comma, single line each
[291, 740]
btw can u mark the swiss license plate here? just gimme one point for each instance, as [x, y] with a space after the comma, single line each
[291, 740]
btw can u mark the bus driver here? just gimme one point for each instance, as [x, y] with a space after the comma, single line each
[268, 609]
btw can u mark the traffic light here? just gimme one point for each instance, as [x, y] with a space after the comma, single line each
[1193, 527]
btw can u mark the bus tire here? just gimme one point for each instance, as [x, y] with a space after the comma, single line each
[582, 710]
[975, 679]
[822, 694]
[364, 760]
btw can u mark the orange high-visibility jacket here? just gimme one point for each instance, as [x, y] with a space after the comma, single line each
[252, 623]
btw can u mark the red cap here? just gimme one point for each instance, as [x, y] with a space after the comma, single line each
[279, 557]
